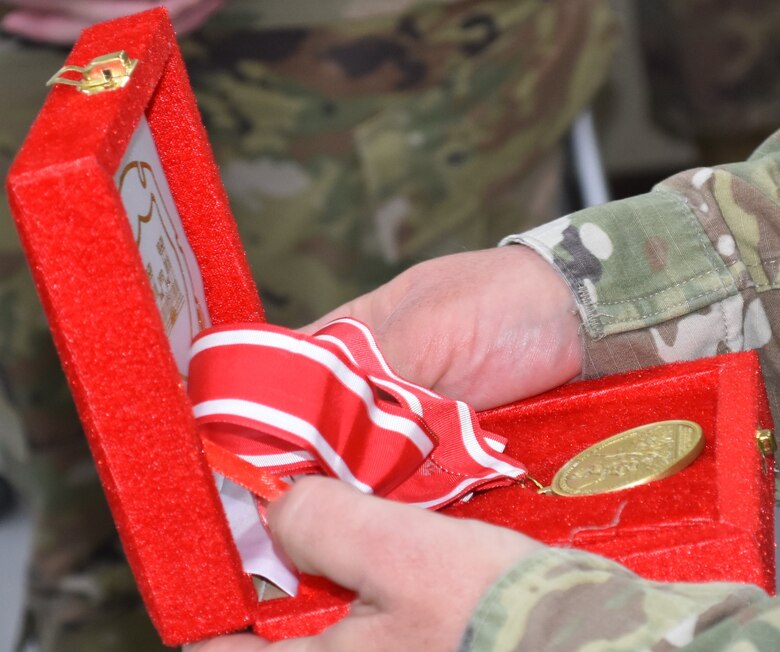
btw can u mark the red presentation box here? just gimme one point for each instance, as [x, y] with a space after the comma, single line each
[129, 269]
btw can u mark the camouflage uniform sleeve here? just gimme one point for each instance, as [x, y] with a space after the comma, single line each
[685, 271]
[573, 601]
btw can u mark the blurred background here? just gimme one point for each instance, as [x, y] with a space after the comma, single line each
[684, 88]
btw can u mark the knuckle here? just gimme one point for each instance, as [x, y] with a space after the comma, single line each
[297, 507]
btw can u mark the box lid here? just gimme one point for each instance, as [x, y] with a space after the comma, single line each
[111, 338]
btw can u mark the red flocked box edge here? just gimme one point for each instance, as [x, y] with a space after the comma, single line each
[135, 412]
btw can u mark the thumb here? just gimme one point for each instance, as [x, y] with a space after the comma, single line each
[234, 643]
[352, 309]
[328, 528]
[366, 544]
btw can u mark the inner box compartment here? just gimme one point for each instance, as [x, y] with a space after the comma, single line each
[712, 521]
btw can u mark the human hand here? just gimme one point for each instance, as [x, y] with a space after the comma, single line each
[487, 327]
[418, 575]
[60, 22]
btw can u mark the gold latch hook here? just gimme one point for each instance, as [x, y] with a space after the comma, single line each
[767, 445]
[105, 73]
[766, 441]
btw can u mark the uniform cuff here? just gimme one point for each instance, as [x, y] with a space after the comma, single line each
[633, 263]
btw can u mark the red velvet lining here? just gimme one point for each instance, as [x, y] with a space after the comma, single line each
[712, 521]
[721, 503]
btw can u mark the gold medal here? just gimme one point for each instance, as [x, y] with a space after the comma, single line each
[631, 458]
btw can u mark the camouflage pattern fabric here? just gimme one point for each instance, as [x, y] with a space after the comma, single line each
[713, 69]
[354, 141]
[685, 271]
[353, 151]
[712, 64]
[573, 601]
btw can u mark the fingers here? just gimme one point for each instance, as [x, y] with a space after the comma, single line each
[418, 575]
[236, 643]
[353, 633]
[372, 308]
[370, 545]
[327, 528]
[360, 542]
[350, 309]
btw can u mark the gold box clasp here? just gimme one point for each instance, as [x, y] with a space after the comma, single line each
[765, 440]
[108, 72]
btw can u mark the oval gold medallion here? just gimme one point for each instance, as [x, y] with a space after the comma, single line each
[634, 457]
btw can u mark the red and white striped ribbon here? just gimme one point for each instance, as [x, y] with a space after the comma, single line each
[289, 403]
